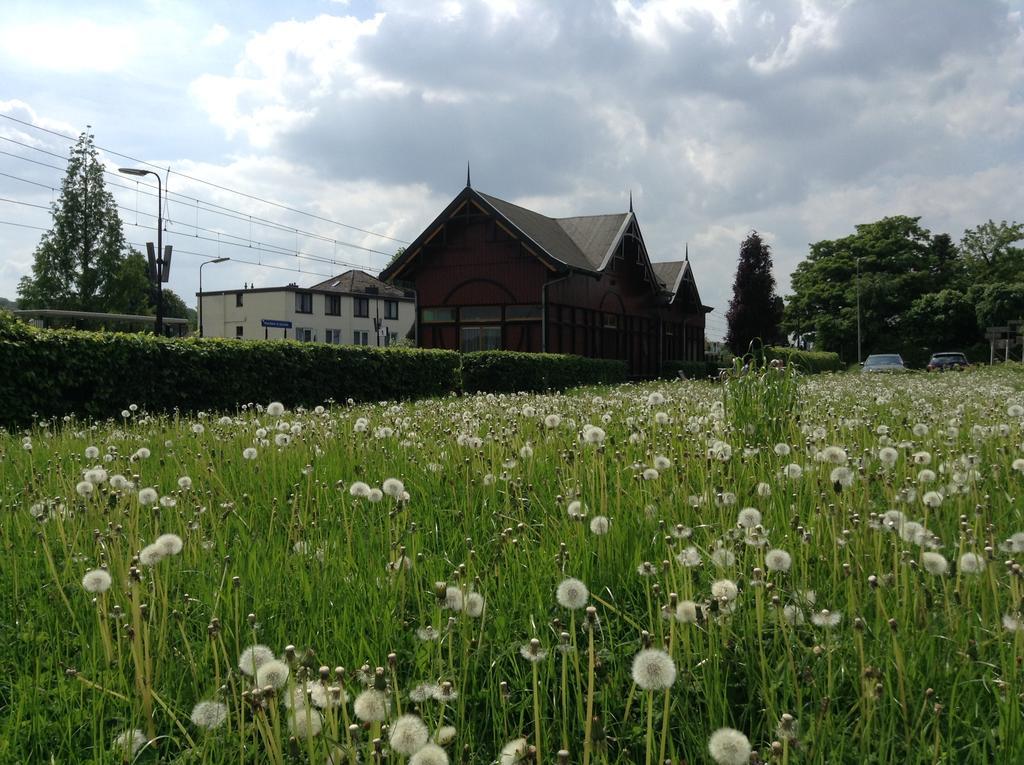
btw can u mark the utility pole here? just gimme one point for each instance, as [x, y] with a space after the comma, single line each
[859, 357]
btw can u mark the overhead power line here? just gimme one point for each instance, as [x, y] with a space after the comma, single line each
[194, 202]
[211, 184]
[263, 247]
[137, 245]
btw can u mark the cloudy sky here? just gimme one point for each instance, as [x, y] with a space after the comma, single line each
[798, 118]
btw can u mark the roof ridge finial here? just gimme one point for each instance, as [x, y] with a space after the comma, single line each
[469, 185]
[631, 200]
[687, 252]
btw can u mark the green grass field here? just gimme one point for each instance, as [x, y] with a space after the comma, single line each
[828, 566]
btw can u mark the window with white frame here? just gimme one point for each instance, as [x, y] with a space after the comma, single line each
[304, 334]
[332, 336]
[360, 337]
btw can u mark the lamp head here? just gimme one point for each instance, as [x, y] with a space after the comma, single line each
[132, 171]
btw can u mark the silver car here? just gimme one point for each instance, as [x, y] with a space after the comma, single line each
[883, 362]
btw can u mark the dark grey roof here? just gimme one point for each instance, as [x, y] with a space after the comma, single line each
[358, 282]
[580, 242]
[668, 272]
[595, 234]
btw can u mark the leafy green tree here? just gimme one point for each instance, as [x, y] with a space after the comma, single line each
[755, 310]
[939, 321]
[997, 304]
[77, 264]
[130, 290]
[890, 263]
[175, 308]
[994, 252]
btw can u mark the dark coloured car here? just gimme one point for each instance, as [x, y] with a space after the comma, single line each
[940, 362]
[883, 362]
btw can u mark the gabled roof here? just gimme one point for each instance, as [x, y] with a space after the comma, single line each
[677, 276]
[668, 272]
[355, 281]
[584, 243]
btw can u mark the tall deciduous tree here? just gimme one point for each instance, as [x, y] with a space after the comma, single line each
[994, 252]
[755, 309]
[78, 262]
[889, 263]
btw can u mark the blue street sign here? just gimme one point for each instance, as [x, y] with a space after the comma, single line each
[276, 323]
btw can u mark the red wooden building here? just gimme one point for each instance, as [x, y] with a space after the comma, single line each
[489, 274]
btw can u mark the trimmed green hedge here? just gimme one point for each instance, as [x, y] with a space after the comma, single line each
[56, 372]
[694, 370]
[808, 362]
[50, 373]
[511, 371]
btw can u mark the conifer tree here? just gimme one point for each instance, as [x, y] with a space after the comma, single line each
[755, 310]
[79, 262]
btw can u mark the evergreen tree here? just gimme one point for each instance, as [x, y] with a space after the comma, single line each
[79, 262]
[755, 310]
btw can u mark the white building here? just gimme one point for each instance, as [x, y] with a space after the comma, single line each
[352, 308]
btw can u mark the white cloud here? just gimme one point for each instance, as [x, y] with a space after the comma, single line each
[216, 35]
[293, 63]
[70, 45]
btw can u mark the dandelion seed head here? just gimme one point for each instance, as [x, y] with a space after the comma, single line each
[371, 706]
[653, 670]
[572, 594]
[91, 452]
[971, 563]
[453, 599]
[170, 544]
[359, 489]
[727, 746]
[689, 557]
[148, 496]
[209, 714]
[934, 563]
[842, 476]
[130, 742]
[650, 474]
[429, 754]
[85, 488]
[552, 421]
[724, 589]
[888, 456]
[686, 612]
[393, 488]
[826, 618]
[275, 409]
[1013, 623]
[599, 525]
[445, 734]
[152, 554]
[273, 672]
[777, 560]
[515, 752]
[249, 453]
[96, 581]
[748, 517]
[254, 657]
[408, 734]
[723, 557]
[474, 605]
[305, 723]
[424, 692]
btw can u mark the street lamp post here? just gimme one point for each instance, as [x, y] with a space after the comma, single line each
[206, 263]
[159, 242]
